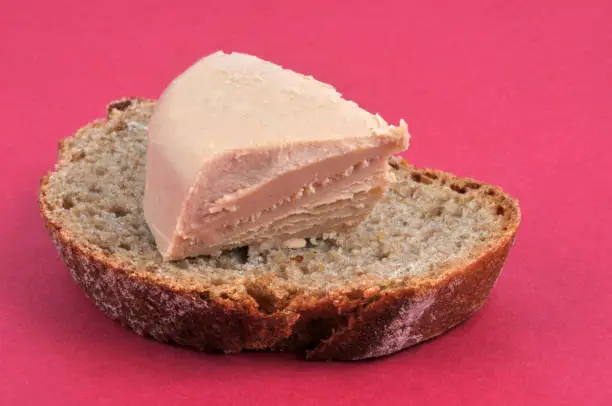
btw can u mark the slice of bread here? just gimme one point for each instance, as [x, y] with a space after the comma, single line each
[424, 261]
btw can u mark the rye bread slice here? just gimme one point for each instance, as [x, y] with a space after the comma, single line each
[424, 261]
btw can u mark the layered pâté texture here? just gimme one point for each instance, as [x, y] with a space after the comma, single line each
[242, 151]
[423, 261]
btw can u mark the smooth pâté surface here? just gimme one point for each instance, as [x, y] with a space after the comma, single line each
[512, 94]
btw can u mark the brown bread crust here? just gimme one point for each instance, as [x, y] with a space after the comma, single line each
[343, 325]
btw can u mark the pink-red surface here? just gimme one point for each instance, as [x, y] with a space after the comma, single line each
[516, 93]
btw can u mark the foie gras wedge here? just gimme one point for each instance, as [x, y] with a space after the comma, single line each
[242, 151]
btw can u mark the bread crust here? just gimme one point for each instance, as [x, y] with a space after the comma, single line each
[372, 322]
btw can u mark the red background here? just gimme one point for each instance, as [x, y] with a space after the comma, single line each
[514, 93]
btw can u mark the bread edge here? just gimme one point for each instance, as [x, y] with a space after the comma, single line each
[341, 326]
